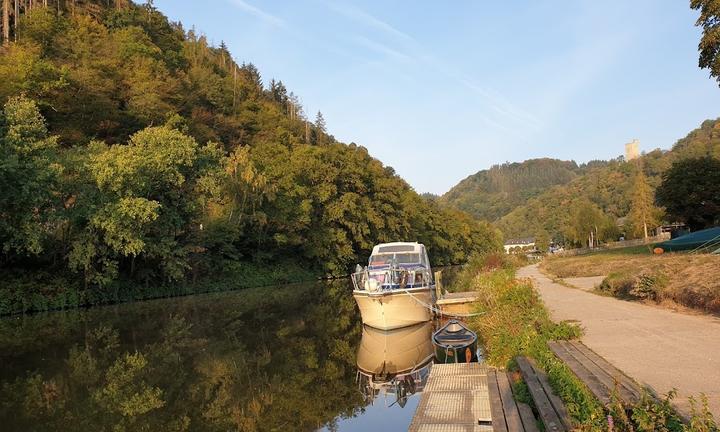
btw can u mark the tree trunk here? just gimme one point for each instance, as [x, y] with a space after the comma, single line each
[6, 22]
[15, 18]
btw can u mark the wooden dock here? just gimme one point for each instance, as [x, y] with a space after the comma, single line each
[457, 303]
[455, 399]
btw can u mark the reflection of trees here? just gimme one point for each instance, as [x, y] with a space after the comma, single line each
[280, 359]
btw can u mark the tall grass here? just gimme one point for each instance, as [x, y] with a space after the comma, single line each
[514, 322]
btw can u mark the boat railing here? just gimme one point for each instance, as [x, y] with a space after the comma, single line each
[390, 279]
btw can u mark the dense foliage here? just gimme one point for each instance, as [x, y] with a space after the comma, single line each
[690, 191]
[709, 46]
[613, 197]
[493, 193]
[133, 151]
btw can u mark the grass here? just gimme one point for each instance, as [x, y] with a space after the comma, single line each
[690, 280]
[513, 321]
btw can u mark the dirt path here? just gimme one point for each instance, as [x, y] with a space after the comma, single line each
[658, 348]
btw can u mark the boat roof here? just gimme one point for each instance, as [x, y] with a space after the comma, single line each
[395, 247]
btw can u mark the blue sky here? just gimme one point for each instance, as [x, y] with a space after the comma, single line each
[439, 90]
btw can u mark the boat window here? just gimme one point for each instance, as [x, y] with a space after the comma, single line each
[378, 260]
[409, 258]
[400, 258]
[396, 248]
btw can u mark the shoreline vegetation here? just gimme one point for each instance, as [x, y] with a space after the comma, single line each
[137, 160]
[513, 321]
[24, 293]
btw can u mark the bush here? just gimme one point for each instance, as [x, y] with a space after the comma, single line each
[643, 286]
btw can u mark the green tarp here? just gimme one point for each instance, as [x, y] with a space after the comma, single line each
[707, 238]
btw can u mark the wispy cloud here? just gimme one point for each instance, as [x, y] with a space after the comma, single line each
[502, 106]
[502, 114]
[381, 48]
[265, 16]
[367, 19]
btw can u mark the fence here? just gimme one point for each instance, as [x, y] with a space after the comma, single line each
[617, 245]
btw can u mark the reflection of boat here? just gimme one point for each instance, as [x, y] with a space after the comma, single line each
[455, 343]
[395, 362]
[396, 289]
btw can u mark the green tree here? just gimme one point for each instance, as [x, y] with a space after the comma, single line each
[589, 225]
[150, 194]
[28, 177]
[542, 240]
[709, 46]
[690, 192]
[643, 213]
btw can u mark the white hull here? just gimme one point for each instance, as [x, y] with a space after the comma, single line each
[392, 309]
[395, 352]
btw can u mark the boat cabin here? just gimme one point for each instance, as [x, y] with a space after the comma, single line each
[395, 265]
[398, 254]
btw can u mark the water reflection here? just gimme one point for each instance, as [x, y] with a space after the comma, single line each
[395, 362]
[281, 358]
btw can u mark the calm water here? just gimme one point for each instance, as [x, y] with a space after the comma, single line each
[269, 359]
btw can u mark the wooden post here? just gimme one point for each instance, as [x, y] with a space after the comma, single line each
[438, 284]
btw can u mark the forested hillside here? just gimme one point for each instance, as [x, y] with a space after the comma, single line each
[604, 194]
[492, 193]
[134, 155]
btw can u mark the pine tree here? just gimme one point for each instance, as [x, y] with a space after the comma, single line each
[320, 123]
[319, 131]
[643, 213]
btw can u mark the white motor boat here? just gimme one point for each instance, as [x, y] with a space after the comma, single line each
[397, 288]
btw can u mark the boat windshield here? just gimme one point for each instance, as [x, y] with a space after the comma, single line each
[400, 258]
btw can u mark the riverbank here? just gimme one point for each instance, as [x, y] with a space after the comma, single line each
[689, 280]
[515, 320]
[25, 291]
[664, 350]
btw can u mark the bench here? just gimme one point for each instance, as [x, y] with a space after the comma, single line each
[599, 376]
[508, 415]
[550, 408]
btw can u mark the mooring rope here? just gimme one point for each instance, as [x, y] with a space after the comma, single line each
[438, 311]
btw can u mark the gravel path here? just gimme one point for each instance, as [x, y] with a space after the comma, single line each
[657, 347]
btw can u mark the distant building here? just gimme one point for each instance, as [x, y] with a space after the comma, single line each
[520, 244]
[632, 150]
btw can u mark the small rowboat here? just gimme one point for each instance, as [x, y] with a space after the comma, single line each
[455, 343]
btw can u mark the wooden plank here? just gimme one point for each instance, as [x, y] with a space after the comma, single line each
[605, 378]
[528, 418]
[512, 416]
[556, 402]
[616, 373]
[526, 414]
[496, 405]
[590, 381]
[542, 403]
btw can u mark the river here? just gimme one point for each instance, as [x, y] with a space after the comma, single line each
[265, 359]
